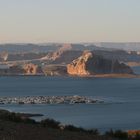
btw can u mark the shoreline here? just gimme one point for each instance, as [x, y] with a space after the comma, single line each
[108, 76]
[80, 76]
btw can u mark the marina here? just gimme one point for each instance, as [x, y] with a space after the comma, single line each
[49, 100]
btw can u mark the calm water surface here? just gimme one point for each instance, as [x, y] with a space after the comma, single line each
[121, 109]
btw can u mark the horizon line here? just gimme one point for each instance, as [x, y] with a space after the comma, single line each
[69, 42]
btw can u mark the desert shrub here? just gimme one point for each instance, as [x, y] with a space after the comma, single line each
[109, 133]
[136, 137]
[73, 128]
[79, 129]
[117, 134]
[93, 131]
[15, 117]
[120, 134]
[50, 123]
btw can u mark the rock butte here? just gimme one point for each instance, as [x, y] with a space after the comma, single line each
[31, 69]
[91, 64]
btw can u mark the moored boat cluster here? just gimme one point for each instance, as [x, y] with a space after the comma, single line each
[49, 100]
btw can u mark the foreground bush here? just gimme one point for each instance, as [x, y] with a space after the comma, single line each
[50, 123]
[23, 119]
[15, 117]
[117, 134]
[79, 129]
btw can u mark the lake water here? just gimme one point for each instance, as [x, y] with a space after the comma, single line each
[121, 109]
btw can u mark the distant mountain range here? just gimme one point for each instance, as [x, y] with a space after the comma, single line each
[27, 48]
[43, 48]
[129, 46]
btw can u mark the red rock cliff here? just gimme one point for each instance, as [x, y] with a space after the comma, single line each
[90, 64]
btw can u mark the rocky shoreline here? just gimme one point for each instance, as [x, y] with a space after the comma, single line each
[49, 100]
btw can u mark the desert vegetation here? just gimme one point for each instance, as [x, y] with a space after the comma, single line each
[15, 126]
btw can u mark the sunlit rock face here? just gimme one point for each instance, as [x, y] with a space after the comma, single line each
[78, 66]
[55, 55]
[3, 56]
[90, 64]
[32, 69]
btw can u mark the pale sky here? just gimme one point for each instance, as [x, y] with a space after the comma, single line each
[69, 21]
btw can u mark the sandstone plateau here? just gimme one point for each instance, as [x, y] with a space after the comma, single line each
[91, 64]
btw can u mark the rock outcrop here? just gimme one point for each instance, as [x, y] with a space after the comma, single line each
[32, 69]
[62, 56]
[3, 56]
[91, 64]
[55, 55]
